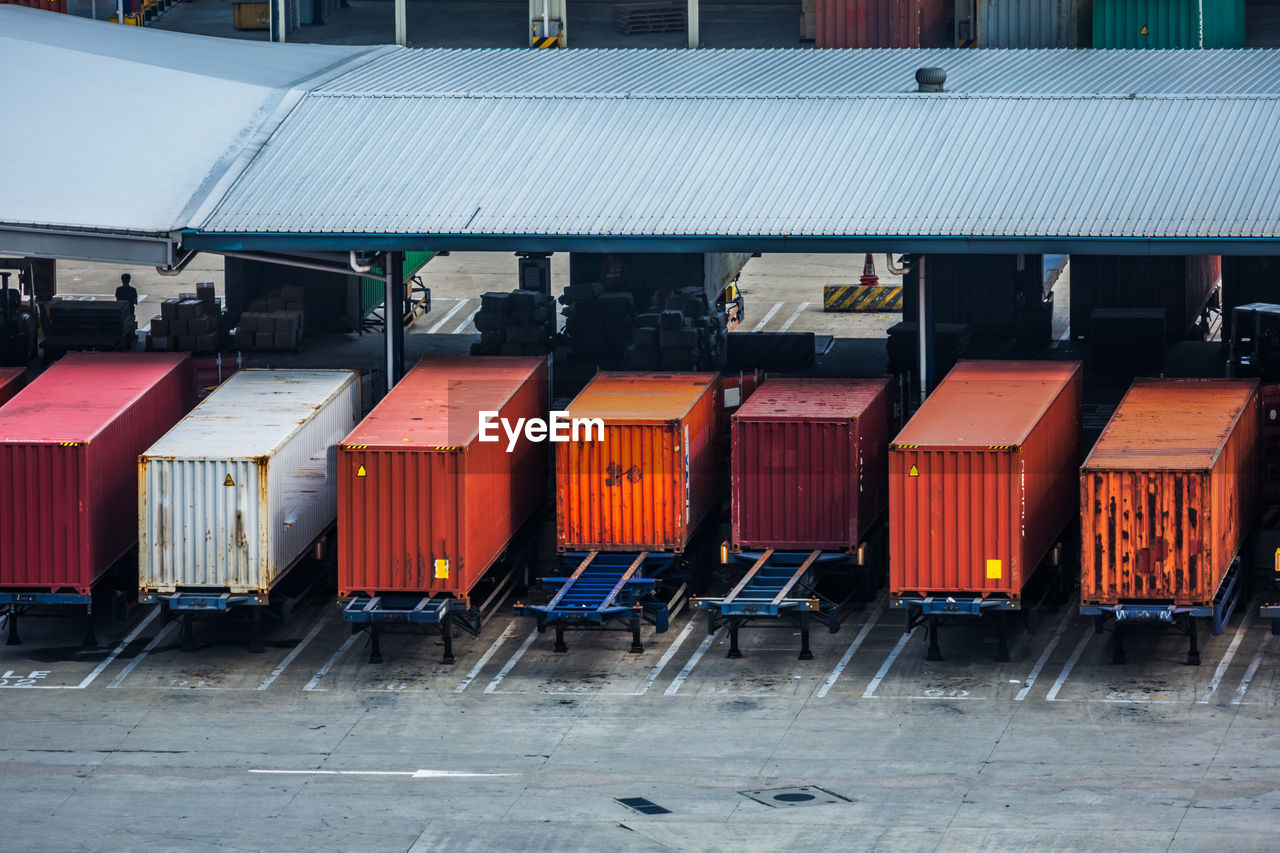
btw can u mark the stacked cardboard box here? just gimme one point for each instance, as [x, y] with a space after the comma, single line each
[186, 324]
[267, 330]
[289, 297]
[688, 334]
[518, 323]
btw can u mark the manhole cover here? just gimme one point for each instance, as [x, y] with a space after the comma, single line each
[642, 805]
[805, 795]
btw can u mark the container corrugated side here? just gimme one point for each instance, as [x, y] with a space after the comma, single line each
[881, 23]
[416, 485]
[655, 474]
[810, 463]
[1169, 492]
[1032, 23]
[238, 491]
[1168, 23]
[982, 480]
[69, 444]
[12, 380]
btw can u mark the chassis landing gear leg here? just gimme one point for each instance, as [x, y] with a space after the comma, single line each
[375, 644]
[636, 648]
[935, 652]
[255, 630]
[13, 640]
[1002, 644]
[90, 636]
[446, 634]
[188, 635]
[1193, 651]
[1117, 651]
[560, 647]
[734, 651]
[805, 654]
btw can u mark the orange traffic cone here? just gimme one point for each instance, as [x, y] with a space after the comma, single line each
[869, 277]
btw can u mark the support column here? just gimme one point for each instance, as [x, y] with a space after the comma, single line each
[279, 23]
[393, 264]
[926, 328]
[402, 24]
[693, 23]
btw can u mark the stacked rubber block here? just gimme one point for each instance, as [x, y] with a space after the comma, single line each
[688, 334]
[518, 323]
[598, 324]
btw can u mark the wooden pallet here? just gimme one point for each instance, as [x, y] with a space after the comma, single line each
[656, 17]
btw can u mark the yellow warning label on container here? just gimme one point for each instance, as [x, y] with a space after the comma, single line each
[1278, 559]
[994, 572]
[228, 481]
[914, 472]
[1143, 31]
[442, 570]
[360, 472]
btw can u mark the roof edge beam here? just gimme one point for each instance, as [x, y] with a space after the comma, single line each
[142, 250]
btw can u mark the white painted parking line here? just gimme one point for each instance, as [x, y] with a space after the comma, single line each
[466, 322]
[764, 321]
[1252, 670]
[1044, 656]
[102, 665]
[410, 774]
[667, 656]
[329, 664]
[289, 658]
[683, 674]
[484, 658]
[794, 316]
[1052, 695]
[454, 310]
[146, 650]
[510, 665]
[870, 692]
[1224, 663]
[853, 647]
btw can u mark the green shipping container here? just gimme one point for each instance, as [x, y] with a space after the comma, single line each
[1168, 23]
[371, 290]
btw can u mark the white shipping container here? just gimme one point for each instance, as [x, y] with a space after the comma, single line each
[235, 494]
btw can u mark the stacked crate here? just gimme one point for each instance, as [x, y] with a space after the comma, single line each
[518, 323]
[598, 324]
[76, 325]
[269, 330]
[688, 334]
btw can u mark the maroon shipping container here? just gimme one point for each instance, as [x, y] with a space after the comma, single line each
[11, 381]
[69, 447]
[810, 463]
[424, 505]
[48, 5]
[881, 23]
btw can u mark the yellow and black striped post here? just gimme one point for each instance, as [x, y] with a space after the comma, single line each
[544, 42]
[859, 298]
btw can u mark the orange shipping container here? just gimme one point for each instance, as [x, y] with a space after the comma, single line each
[1169, 492]
[424, 506]
[982, 478]
[653, 476]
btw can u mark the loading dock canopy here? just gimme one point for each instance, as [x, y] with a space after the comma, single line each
[230, 145]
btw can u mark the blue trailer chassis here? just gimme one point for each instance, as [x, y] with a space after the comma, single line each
[931, 610]
[15, 603]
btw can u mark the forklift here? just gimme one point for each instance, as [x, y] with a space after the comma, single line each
[19, 322]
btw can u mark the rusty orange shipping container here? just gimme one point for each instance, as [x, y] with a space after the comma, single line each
[982, 480]
[1169, 492]
[12, 380]
[424, 504]
[650, 475]
[881, 23]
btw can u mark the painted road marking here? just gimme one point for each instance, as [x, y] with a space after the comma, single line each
[409, 774]
[683, 674]
[667, 656]
[289, 658]
[1044, 656]
[794, 316]
[853, 647]
[1224, 663]
[141, 656]
[764, 321]
[515, 659]
[484, 658]
[329, 664]
[1252, 670]
[466, 322]
[1052, 695]
[870, 692]
[454, 310]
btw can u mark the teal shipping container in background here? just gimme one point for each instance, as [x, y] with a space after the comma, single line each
[1168, 23]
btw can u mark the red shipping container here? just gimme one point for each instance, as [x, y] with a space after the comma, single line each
[423, 504]
[655, 474]
[49, 5]
[1169, 492]
[983, 479]
[11, 381]
[69, 447]
[810, 463]
[881, 23]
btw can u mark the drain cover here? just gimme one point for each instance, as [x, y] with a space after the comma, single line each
[805, 795]
[642, 805]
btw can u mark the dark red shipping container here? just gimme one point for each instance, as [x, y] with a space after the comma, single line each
[881, 23]
[11, 381]
[69, 447]
[810, 463]
[49, 5]
[423, 504]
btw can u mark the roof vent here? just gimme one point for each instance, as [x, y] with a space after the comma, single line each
[931, 79]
